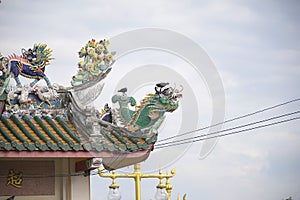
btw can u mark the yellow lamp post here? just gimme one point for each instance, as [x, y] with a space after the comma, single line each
[137, 176]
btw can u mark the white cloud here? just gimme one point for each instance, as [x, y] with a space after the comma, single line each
[255, 46]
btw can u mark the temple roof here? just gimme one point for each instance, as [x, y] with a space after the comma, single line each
[53, 121]
[26, 133]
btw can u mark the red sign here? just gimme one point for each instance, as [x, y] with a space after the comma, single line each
[27, 178]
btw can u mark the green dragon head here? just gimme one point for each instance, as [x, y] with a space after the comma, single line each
[151, 111]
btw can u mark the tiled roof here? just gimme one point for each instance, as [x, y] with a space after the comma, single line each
[26, 133]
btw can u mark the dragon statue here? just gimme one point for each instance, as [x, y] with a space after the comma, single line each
[149, 115]
[31, 64]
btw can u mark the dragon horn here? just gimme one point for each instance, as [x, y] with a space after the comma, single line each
[181, 88]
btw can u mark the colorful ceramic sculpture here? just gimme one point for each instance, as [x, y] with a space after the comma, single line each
[31, 64]
[151, 111]
[96, 60]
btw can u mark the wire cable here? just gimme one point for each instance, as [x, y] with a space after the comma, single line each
[193, 140]
[229, 129]
[233, 119]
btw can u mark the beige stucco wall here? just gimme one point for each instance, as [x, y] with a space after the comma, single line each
[80, 185]
[66, 188]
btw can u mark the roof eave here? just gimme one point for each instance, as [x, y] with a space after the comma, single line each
[74, 154]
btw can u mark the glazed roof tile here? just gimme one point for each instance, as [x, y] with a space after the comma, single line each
[26, 133]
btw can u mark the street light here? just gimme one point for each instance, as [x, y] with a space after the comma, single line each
[114, 193]
[137, 176]
[161, 193]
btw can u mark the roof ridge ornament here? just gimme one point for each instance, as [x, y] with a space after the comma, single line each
[95, 65]
[127, 126]
[96, 61]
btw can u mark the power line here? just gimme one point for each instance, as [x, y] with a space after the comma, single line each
[229, 129]
[230, 120]
[225, 134]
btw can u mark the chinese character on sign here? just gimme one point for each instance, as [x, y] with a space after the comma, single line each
[15, 179]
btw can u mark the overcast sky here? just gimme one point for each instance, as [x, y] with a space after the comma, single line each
[255, 48]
